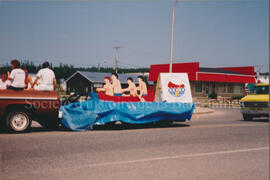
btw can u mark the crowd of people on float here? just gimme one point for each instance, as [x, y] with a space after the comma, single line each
[112, 87]
[18, 79]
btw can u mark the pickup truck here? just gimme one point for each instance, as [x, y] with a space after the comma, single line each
[256, 104]
[19, 108]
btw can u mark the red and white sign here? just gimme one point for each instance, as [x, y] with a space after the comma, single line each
[174, 87]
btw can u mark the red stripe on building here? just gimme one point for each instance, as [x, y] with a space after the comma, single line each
[248, 70]
[225, 78]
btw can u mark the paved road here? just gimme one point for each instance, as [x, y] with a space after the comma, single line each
[213, 146]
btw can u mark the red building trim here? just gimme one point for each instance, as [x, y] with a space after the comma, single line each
[233, 74]
[248, 70]
[215, 77]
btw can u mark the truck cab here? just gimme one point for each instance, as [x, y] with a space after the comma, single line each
[256, 103]
[19, 108]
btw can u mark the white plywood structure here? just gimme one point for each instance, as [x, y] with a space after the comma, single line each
[173, 87]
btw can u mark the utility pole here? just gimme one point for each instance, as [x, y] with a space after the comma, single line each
[98, 67]
[116, 58]
[258, 69]
[171, 49]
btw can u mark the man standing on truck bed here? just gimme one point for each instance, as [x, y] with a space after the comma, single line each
[17, 76]
[46, 77]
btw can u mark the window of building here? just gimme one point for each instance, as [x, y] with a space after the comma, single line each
[98, 85]
[198, 87]
[222, 88]
[230, 88]
[237, 89]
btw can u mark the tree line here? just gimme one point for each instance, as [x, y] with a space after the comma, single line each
[64, 71]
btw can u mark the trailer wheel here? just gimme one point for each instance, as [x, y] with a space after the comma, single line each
[18, 121]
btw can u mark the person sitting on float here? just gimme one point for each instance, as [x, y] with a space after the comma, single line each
[117, 89]
[4, 83]
[28, 80]
[107, 88]
[46, 77]
[17, 76]
[142, 88]
[132, 89]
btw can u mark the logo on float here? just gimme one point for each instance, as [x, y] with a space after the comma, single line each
[176, 90]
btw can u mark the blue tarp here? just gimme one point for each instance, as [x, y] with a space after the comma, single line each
[83, 115]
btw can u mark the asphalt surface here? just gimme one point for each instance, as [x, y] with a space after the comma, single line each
[212, 146]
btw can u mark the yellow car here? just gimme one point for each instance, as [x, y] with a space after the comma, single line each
[256, 104]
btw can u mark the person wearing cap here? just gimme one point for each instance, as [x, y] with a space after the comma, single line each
[132, 89]
[17, 76]
[46, 77]
[117, 89]
[142, 87]
[107, 88]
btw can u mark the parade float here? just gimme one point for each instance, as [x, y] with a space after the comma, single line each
[171, 101]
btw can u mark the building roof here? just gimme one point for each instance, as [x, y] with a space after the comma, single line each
[98, 77]
[197, 73]
[216, 70]
[263, 74]
[190, 68]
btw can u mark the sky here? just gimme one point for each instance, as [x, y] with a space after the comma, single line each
[214, 33]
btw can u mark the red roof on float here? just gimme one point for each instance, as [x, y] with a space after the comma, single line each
[197, 73]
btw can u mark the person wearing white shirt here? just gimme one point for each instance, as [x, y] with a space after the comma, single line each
[3, 82]
[46, 77]
[17, 76]
[2, 85]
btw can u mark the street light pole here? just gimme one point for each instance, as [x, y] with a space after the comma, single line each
[116, 58]
[98, 67]
[171, 49]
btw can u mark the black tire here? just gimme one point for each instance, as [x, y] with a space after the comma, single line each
[18, 121]
[247, 117]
